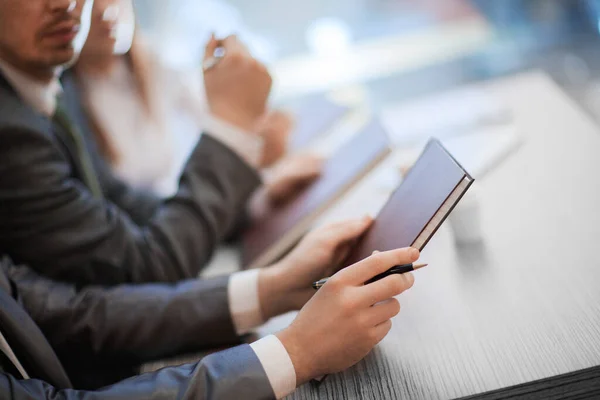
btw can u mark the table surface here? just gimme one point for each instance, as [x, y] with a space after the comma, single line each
[523, 304]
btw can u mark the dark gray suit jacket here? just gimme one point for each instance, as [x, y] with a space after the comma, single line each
[139, 204]
[46, 322]
[49, 219]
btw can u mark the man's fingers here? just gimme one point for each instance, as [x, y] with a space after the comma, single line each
[312, 162]
[383, 311]
[305, 166]
[387, 287]
[342, 232]
[291, 178]
[378, 263]
[380, 331]
[233, 45]
[297, 167]
[212, 44]
[304, 173]
[310, 171]
[343, 253]
[230, 41]
[279, 121]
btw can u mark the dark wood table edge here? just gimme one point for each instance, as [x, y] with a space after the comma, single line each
[581, 384]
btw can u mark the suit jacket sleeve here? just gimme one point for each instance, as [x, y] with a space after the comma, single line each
[139, 204]
[142, 204]
[79, 238]
[127, 324]
[231, 374]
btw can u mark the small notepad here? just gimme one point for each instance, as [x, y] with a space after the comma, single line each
[418, 207]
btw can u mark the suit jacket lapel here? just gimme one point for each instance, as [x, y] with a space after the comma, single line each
[63, 137]
[27, 341]
[71, 149]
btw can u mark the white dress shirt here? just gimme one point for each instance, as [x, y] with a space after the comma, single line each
[242, 289]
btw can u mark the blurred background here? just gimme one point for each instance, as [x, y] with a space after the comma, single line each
[384, 51]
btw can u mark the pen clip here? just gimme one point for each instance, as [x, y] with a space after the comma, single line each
[213, 60]
[318, 284]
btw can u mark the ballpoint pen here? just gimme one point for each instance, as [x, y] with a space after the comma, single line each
[213, 60]
[398, 269]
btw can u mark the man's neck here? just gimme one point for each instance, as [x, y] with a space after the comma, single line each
[43, 75]
[38, 89]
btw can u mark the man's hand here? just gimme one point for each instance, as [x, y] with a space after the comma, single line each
[345, 319]
[291, 175]
[238, 86]
[275, 131]
[286, 285]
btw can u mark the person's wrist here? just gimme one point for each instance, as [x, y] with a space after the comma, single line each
[298, 353]
[273, 292]
[247, 121]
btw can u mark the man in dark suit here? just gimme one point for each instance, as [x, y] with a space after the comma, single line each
[61, 210]
[54, 212]
[57, 342]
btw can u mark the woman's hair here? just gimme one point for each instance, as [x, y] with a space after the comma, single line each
[138, 60]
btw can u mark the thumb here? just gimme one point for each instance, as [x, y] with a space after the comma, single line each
[304, 174]
[305, 166]
[314, 166]
[343, 232]
[211, 46]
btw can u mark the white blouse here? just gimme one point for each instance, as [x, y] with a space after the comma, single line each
[151, 149]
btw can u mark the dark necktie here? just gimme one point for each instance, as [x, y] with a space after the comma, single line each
[61, 118]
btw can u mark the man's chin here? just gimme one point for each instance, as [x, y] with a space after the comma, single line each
[62, 58]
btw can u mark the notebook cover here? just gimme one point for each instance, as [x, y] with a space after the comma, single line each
[313, 118]
[425, 188]
[346, 167]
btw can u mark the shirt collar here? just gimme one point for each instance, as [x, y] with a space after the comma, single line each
[42, 97]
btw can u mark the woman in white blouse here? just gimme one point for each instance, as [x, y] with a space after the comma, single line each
[147, 117]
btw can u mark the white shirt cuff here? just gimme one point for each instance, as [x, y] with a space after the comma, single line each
[246, 145]
[244, 303]
[277, 364]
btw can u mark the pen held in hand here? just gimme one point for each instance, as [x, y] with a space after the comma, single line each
[398, 269]
[213, 60]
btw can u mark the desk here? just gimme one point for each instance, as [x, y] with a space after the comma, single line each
[523, 305]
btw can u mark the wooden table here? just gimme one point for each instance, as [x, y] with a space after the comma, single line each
[522, 305]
